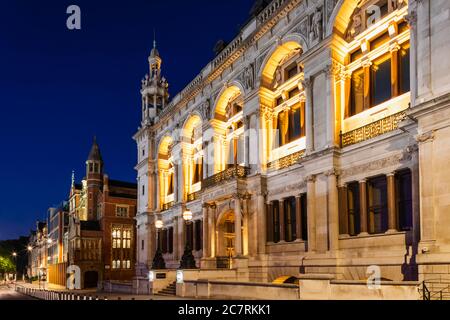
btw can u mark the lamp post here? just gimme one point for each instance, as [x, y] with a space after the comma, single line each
[188, 260]
[158, 260]
[14, 254]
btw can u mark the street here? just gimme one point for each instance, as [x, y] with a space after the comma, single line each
[8, 293]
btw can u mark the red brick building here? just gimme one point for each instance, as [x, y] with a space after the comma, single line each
[101, 225]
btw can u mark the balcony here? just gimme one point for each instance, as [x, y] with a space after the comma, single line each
[226, 175]
[372, 130]
[167, 206]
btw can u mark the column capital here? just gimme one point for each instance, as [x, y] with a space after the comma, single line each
[311, 178]
[390, 174]
[332, 172]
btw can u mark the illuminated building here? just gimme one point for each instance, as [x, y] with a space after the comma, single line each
[101, 237]
[316, 142]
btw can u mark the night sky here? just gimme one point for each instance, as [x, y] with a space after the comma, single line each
[59, 88]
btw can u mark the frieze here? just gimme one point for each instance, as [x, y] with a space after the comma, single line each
[380, 164]
[287, 189]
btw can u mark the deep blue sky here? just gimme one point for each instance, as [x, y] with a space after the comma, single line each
[59, 88]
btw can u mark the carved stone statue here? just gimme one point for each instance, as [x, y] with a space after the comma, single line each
[316, 25]
[249, 77]
[206, 110]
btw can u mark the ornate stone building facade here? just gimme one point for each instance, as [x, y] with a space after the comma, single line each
[314, 142]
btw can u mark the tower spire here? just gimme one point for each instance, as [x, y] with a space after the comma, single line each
[154, 39]
[73, 178]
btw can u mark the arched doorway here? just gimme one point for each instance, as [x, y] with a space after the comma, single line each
[226, 240]
[90, 279]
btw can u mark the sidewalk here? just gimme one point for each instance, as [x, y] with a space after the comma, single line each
[101, 295]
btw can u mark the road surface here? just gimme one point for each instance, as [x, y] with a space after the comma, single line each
[8, 293]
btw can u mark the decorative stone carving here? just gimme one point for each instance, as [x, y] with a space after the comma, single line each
[411, 19]
[373, 166]
[330, 7]
[288, 189]
[249, 77]
[425, 137]
[316, 30]
[205, 110]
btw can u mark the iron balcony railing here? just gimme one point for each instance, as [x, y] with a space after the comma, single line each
[233, 172]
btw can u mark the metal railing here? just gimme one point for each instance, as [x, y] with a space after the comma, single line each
[226, 175]
[435, 290]
[372, 130]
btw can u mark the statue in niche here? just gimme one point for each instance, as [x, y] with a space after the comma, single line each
[206, 110]
[248, 77]
[316, 25]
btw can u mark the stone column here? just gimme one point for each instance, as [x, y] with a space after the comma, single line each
[176, 193]
[298, 217]
[395, 47]
[331, 94]
[262, 224]
[212, 230]
[157, 189]
[333, 207]
[238, 225]
[176, 253]
[307, 85]
[311, 204]
[246, 221]
[363, 206]
[282, 222]
[205, 231]
[392, 207]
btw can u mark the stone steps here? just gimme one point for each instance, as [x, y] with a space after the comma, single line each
[171, 290]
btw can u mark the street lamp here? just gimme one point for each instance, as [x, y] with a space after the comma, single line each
[158, 260]
[188, 260]
[14, 254]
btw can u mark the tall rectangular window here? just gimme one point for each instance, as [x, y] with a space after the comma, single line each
[357, 93]
[354, 224]
[404, 199]
[198, 235]
[290, 218]
[170, 240]
[378, 212]
[380, 73]
[164, 241]
[404, 74]
[276, 221]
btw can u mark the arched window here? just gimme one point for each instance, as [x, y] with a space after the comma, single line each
[229, 142]
[284, 99]
[192, 146]
[378, 60]
[166, 174]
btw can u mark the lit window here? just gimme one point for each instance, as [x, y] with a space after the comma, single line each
[122, 212]
[381, 80]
